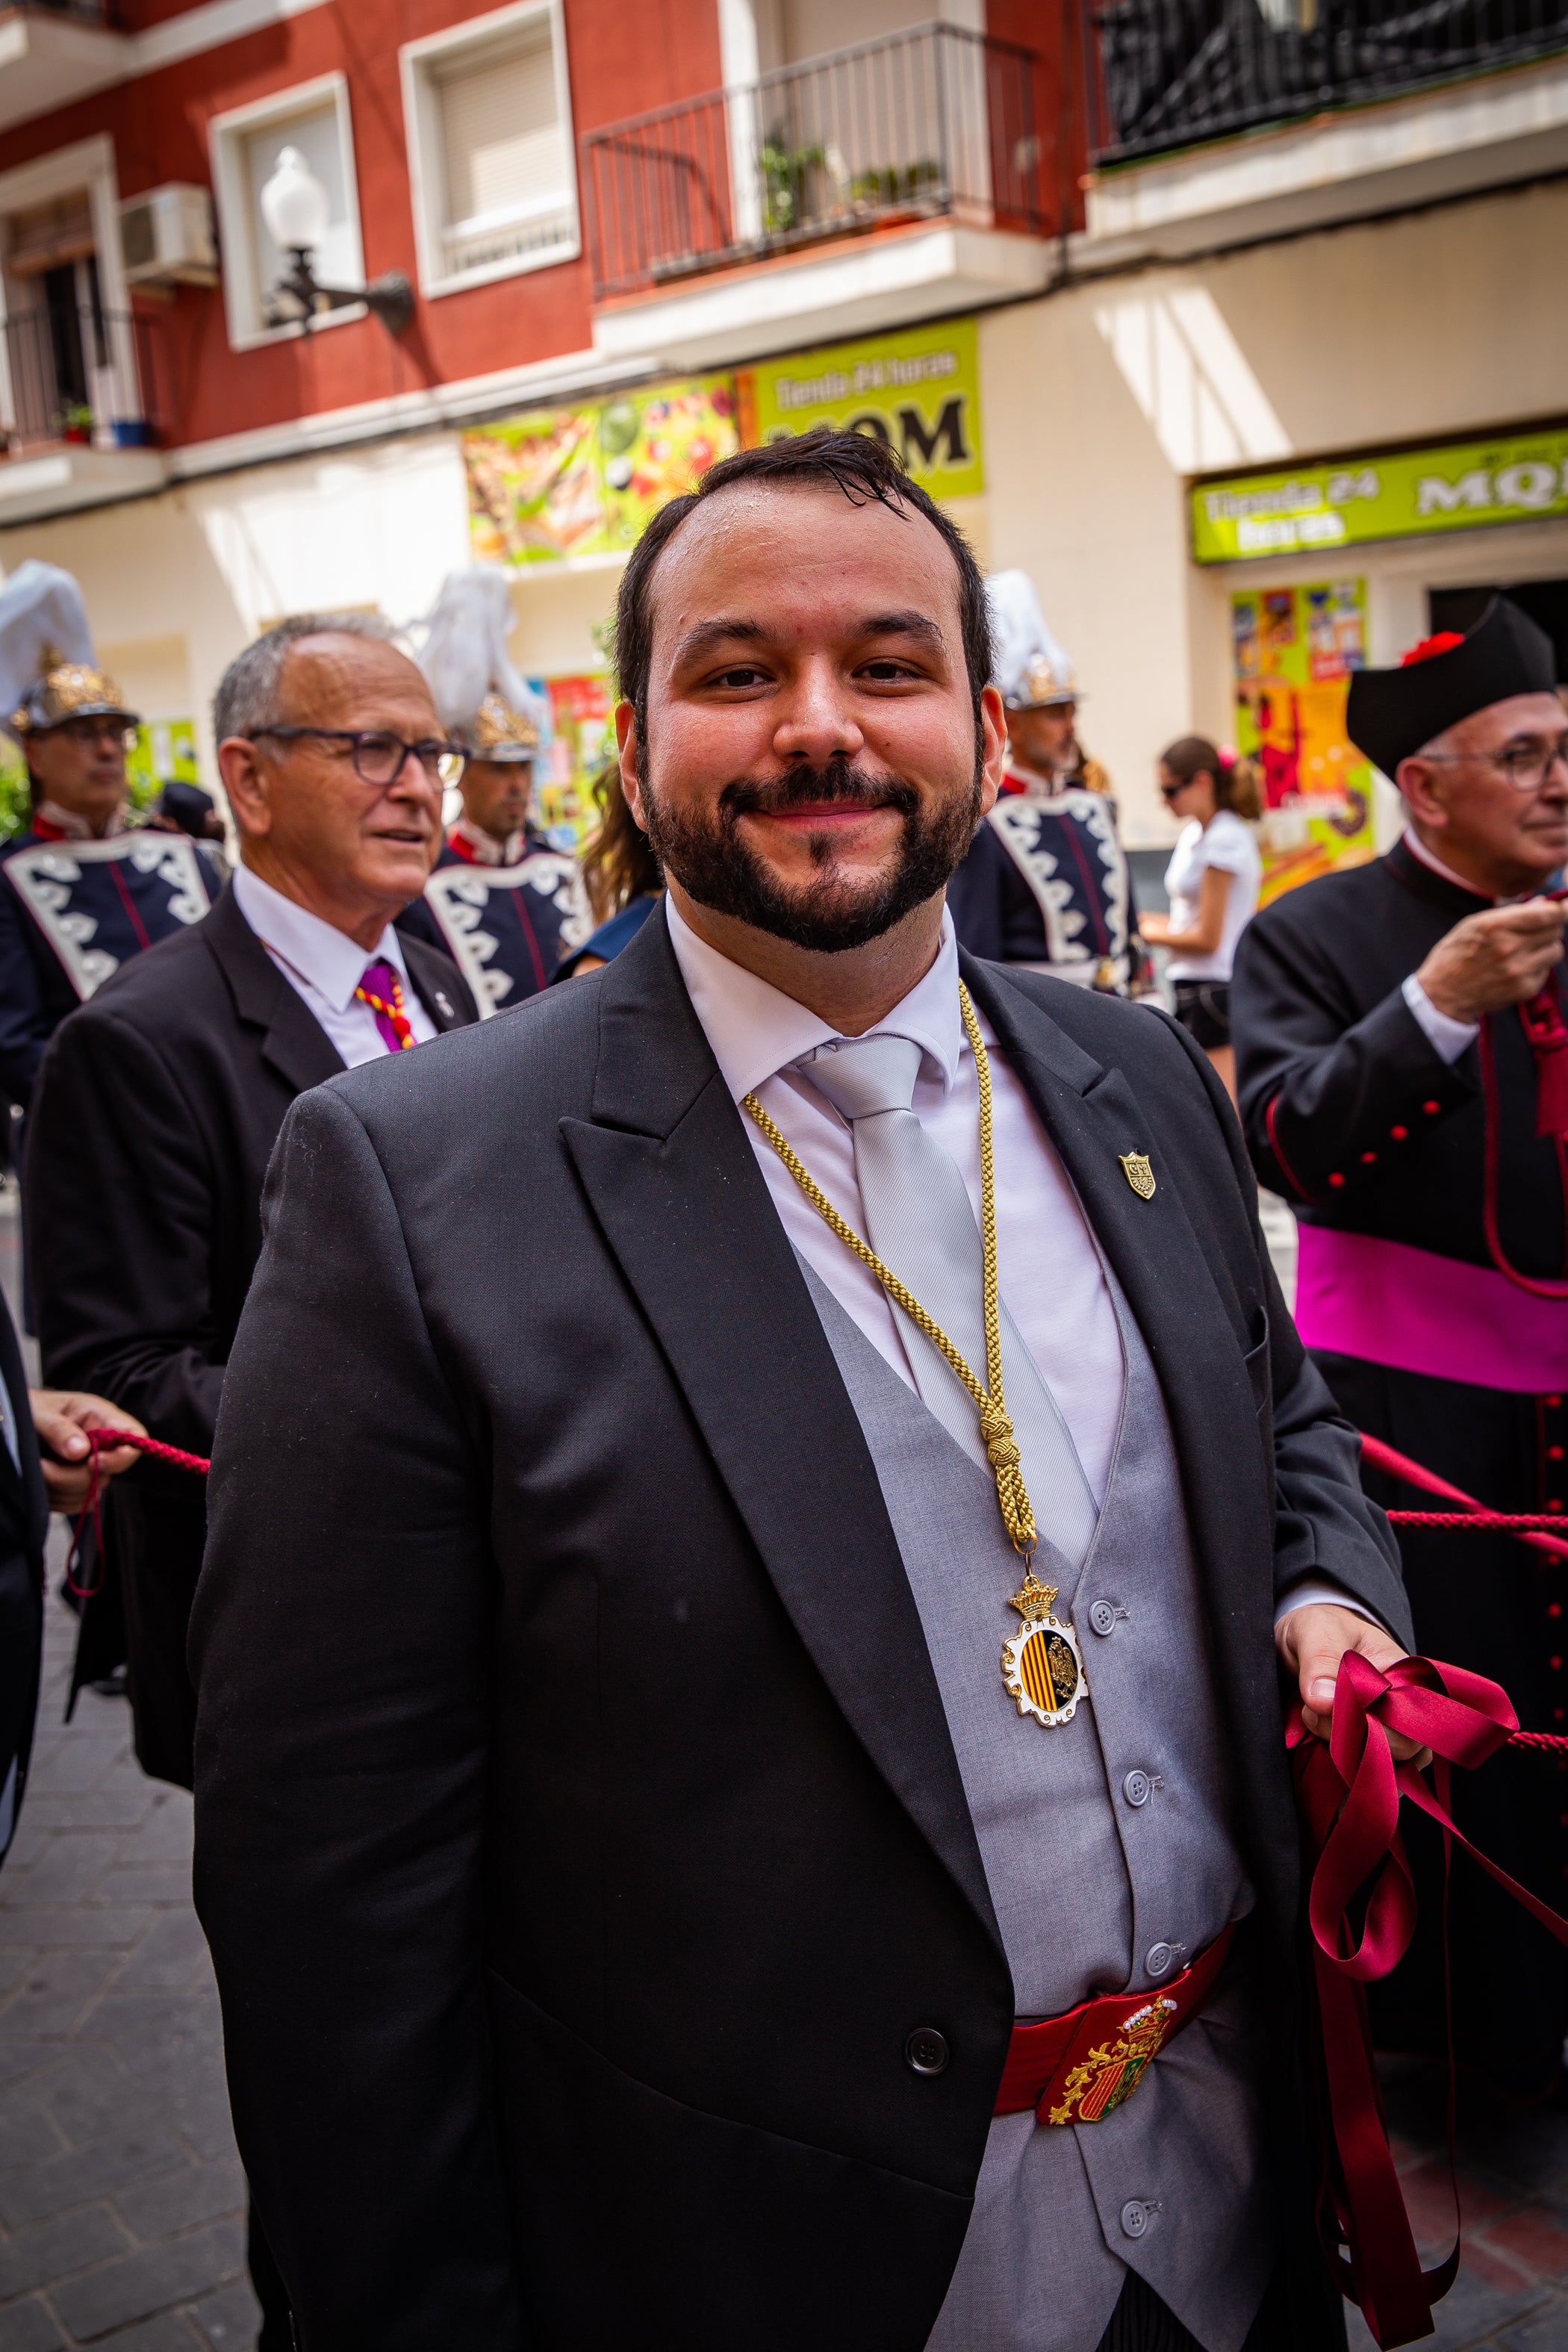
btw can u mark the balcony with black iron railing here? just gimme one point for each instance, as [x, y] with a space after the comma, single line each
[936, 122]
[1169, 74]
[91, 376]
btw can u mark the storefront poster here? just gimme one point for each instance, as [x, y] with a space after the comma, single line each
[1351, 500]
[585, 481]
[918, 391]
[584, 711]
[1294, 651]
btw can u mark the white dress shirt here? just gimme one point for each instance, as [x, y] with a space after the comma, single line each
[1049, 1270]
[325, 967]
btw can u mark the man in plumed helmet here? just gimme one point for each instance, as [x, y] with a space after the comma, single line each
[1403, 1061]
[503, 902]
[1045, 883]
[83, 890]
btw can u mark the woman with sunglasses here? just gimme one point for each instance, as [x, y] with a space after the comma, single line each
[1212, 881]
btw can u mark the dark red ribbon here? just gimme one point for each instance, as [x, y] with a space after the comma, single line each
[1349, 1791]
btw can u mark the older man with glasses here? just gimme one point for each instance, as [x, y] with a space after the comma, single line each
[1403, 1059]
[159, 1103]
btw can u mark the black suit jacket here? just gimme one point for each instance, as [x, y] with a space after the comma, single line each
[23, 1528]
[579, 1835]
[156, 1111]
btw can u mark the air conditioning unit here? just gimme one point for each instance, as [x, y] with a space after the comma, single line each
[166, 236]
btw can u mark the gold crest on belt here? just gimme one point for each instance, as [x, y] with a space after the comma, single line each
[1113, 2070]
[1042, 1666]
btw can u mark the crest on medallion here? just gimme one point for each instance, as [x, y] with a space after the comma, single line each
[1042, 1666]
[1139, 1174]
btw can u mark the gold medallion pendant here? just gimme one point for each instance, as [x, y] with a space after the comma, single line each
[1042, 1666]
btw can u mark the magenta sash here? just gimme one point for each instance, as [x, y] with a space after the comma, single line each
[1416, 1312]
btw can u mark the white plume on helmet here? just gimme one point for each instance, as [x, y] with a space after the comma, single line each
[1031, 669]
[464, 652]
[42, 620]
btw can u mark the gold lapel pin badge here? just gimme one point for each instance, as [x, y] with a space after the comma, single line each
[1139, 1173]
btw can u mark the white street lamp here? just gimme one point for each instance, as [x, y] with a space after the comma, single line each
[294, 205]
[297, 214]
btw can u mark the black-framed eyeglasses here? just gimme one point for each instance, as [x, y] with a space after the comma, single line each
[379, 758]
[1525, 766]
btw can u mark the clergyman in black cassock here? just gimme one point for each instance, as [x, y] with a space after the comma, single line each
[1369, 1114]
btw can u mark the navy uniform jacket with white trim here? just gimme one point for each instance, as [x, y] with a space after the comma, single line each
[73, 912]
[506, 928]
[1046, 883]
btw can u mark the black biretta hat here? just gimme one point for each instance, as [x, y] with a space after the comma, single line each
[1392, 713]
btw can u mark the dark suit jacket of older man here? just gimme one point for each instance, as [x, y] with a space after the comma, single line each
[579, 1832]
[156, 1112]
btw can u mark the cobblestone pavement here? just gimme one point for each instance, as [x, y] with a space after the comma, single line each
[121, 2198]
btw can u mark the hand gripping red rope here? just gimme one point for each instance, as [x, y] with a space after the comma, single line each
[107, 1441]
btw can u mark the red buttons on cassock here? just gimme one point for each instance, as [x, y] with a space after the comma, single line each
[1431, 1108]
[1399, 1133]
[1336, 1180]
[1555, 1609]
[1367, 1158]
[1554, 1502]
[1551, 1404]
[1554, 1453]
[1555, 1664]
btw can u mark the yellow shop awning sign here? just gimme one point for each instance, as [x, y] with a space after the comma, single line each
[1316, 508]
[917, 389]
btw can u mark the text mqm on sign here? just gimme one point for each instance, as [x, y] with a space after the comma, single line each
[1353, 499]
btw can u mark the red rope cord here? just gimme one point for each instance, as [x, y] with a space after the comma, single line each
[105, 1441]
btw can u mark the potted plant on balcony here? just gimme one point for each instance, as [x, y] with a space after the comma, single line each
[76, 422]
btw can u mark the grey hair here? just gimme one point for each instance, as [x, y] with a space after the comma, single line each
[247, 697]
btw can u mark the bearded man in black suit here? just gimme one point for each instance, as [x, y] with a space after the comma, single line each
[626, 1864]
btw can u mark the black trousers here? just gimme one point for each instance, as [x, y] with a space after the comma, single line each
[1142, 2323]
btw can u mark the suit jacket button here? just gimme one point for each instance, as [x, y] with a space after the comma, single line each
[1136, 1788]
[926, 2050]
[1134, 2218]
[1157, 1959]
[1102, 1617]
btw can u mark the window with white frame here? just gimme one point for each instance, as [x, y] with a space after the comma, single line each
[245, 146]
[490, 136]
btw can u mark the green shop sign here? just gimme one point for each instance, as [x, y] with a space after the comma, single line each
[1316, 508]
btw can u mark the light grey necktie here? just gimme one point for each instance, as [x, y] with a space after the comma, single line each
[919, 1221]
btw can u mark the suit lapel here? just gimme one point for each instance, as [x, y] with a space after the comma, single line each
[437, 984]
[293, 1040]
[674, 1183]
[1093, 1117]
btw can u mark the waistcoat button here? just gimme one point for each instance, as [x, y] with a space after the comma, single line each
[1136, 1788]
[1158, 1958]
[1102, 1616]
[926, 2050]
[1134, 2218]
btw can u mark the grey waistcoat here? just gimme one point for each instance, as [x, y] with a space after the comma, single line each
[1101, 1882]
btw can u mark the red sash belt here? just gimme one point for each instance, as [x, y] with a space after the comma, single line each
[1075, 2068]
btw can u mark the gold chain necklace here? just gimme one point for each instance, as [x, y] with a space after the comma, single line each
[1042, 1666]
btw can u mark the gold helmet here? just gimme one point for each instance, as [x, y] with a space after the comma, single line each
[68, 690]
[499, 733]
[1044, 681]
